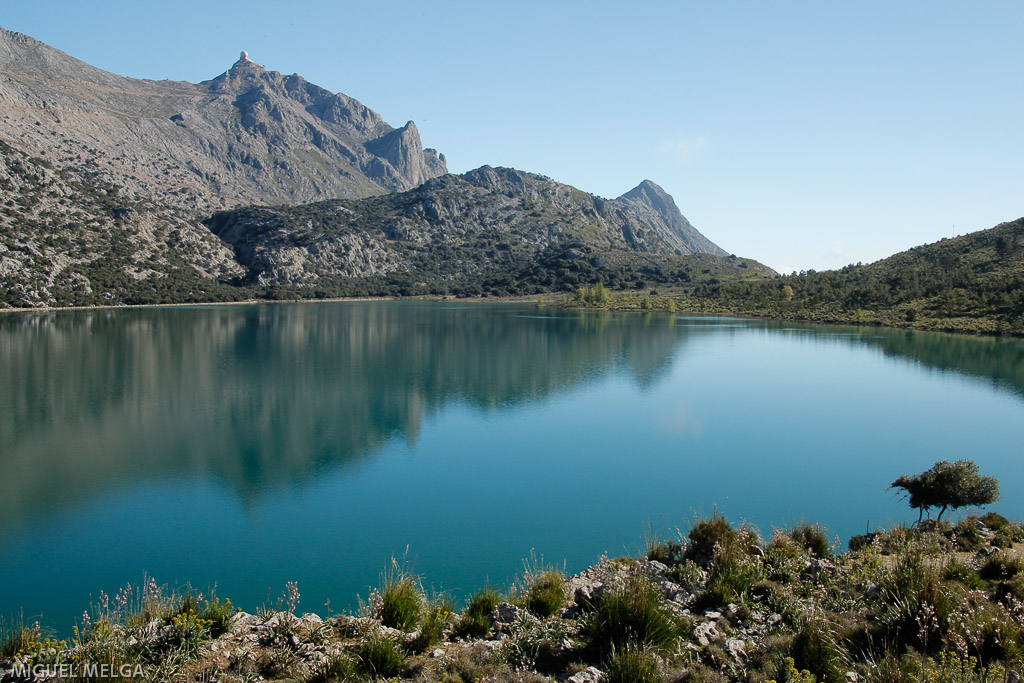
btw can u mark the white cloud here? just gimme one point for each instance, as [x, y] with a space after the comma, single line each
[837, 253]
[683, 149]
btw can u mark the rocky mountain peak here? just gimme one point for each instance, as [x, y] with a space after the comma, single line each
[405, 155]
[249, 135]
[245, 64]
[650, 196]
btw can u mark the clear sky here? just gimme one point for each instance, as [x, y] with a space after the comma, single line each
[802, 134]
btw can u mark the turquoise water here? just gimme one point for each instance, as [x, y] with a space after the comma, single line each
[249, 446]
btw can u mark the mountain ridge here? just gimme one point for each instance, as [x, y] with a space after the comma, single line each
[254, 184]
[515, 230]
[248, 135]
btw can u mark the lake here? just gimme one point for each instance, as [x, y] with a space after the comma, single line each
[249, 446]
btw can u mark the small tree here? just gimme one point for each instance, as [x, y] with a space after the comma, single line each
[948, 485]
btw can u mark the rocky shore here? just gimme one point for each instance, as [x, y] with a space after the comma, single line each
[941, 602]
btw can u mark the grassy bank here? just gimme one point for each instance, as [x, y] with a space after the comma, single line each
[690, 303]
[943, 602]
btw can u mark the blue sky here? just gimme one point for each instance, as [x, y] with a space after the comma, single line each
[802, 134]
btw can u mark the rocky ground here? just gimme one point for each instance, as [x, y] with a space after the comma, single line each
[938, 603]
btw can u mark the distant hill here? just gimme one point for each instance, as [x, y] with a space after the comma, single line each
[972, 283]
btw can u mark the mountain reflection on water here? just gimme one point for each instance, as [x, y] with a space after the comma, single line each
[248, 446]
[270, 394]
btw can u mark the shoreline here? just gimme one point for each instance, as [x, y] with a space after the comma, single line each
[717, 604]
[250, 302]
[631, 307]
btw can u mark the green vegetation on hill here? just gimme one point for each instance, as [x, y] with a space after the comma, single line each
[971, 283]
[489, 232]
[68, 238]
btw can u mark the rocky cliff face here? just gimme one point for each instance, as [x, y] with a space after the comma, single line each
[653, 204]
[106, 178]
[491, 224]
[247, 136]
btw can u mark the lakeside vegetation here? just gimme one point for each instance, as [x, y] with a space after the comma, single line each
[939, 602]
[973, 283]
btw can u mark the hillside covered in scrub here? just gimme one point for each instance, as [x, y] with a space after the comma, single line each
[494, 231]
[938, 602]
[971, 283]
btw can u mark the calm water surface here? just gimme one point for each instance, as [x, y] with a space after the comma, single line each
[248, 446]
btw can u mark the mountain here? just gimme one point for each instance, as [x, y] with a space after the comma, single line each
[971, 283]
[650, 197]
[254, 184]
[247, 136]
[495, 230]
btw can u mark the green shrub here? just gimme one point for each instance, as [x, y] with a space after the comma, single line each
[994, 521]
[630, 613]
[336, 669]
[708, 536]
[728, 581]
[1000, 641]
[911, 594]
[958, 571]
[435, 621]
[633, 664]
[401, 602]
[536, 644]
[1002, 539]
[818, 648]
[546, 594]
[476, 618]
[670, 552]
[15, 637]
[217, 614]
[379, 656]
[861, 541]
[1001, 566]
[966, 534]
[1005, 590]
[686, 573]
[812, 538]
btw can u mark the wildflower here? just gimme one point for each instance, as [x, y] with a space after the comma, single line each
[291, 596]
[121, 599]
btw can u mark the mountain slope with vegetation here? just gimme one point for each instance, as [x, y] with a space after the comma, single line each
[68, 238]
[490, 231]
[119, 190]
[971, 283]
